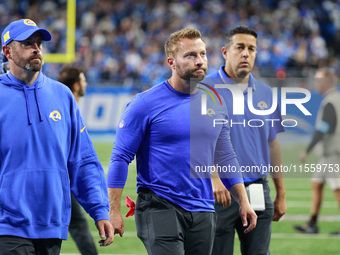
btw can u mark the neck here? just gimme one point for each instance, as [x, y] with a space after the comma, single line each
[328, 90]
[237, 78]
[25, 76]
[181, 85]
[76, 96]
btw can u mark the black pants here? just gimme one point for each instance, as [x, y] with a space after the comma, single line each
[168, 229]
[255, 242]
[80, 231]
[13, 245]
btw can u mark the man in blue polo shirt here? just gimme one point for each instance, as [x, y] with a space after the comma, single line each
[174, 144]
[254, 139]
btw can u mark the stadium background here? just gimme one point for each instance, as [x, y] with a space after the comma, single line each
[120, 45]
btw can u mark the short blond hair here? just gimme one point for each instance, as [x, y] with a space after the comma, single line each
[171, 45]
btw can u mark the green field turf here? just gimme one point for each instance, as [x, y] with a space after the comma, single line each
[284, 239]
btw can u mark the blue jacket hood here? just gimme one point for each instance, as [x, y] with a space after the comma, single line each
[10, 80]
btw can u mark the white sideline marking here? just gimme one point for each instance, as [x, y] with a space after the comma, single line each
[307, 204]
[302, 236]
[303, 217]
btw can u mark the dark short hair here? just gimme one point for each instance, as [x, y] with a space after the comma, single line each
[69, 75]
[238, 30]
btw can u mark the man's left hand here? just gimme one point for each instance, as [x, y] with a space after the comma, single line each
[280, 208]
[105, 230]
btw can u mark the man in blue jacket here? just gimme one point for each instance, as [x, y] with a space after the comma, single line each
[45, 152]
[174, 144]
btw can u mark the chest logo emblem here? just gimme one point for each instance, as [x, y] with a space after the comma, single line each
[55, 115]
[262, 105]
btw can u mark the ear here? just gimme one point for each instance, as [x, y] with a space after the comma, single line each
[7, 51]
[224, 51]
[76, 86]
[171, 62]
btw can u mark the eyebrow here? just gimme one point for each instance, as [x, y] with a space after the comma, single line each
[38, 40]
[243, 44]
[194, 52]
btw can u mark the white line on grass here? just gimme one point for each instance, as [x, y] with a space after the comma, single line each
[304, 204]
[302, 236]
[303, 217]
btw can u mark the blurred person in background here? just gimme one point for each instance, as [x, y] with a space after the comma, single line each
[74, 78]
[326, 138]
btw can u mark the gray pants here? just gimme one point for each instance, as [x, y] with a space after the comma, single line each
[168, 229]
[13, 245]
[255, 242]
[79, 230]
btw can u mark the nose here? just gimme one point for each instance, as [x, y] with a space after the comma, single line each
[245, 53]
[199, 61]
[36, 47]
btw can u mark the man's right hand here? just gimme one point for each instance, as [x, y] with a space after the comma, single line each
[246, 212]
[221, 194]
[115, 195]
[117, 222]
[303, 156]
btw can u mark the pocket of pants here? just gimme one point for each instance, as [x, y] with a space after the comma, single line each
[164, 224]
[143, 202]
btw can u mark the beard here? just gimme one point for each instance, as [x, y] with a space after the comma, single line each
[189, 73]
[242, 74]
[31, 64]
[81, 91]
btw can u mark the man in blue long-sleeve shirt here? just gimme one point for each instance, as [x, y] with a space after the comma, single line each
[174, 144]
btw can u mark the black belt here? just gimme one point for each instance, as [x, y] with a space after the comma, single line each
[262, 179]
[145, 190]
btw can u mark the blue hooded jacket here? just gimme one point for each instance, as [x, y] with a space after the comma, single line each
[45, 151]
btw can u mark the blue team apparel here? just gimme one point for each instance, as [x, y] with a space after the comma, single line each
[170, 137]
[22, 29]
[45, 151]
[249, 136]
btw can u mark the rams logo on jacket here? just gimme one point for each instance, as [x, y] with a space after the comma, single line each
[262, 105]
[55, 115]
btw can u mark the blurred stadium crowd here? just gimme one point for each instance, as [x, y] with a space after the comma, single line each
[120, 42]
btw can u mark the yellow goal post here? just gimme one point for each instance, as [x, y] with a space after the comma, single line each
[69, 56]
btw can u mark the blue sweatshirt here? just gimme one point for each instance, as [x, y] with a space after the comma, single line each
[173, 143]
[45, 151]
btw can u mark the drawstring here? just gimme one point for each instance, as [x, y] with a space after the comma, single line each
[28, 106]
[37, 99]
